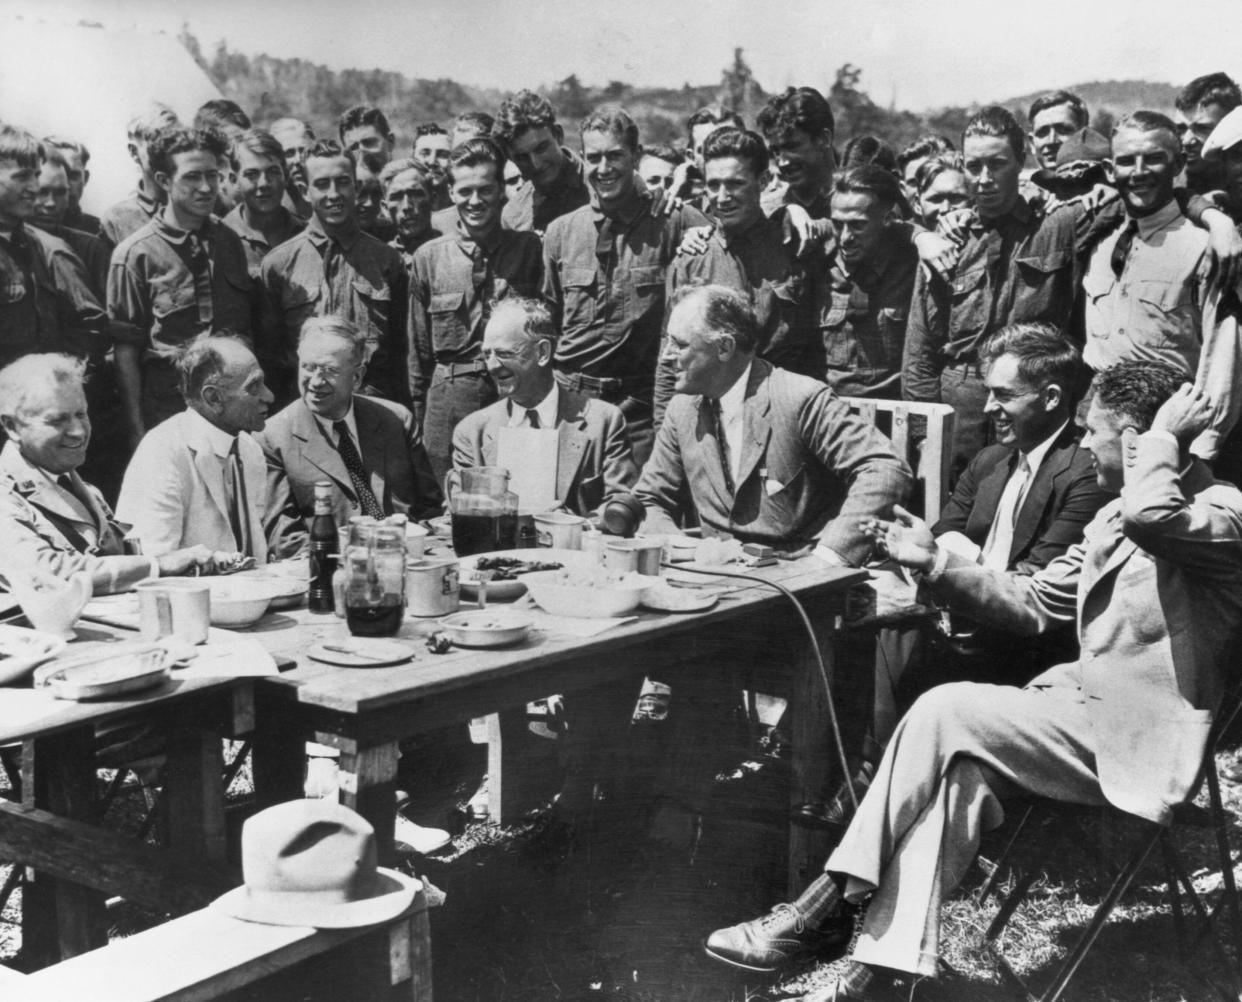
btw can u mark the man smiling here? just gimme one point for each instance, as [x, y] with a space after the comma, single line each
[531, 137]
[260, 218]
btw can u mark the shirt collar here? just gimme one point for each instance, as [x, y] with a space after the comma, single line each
[1020, 213]
[1162, 218]
[634, 206]
[350, 419]
[869, 272]
[36, 473]
[732, 399]
[1036, 456]
[175, 235]
[221, 441]
[467, 243]
[149, 204]
[742, 236]
[320, 238]
[546, 409]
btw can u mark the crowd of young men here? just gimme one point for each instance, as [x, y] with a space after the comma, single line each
[687, 320]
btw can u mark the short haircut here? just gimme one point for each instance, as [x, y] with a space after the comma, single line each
[724, 312]
[360, 115]
[143, 126]
[525, 110]
[70, 145]
[167, 143]
[220, 112]
[330, 149]
[925, 146]
[346, 330]
[430, 129]
[870, 179]
[802, 108]
[537, 322]
[475, 153]
[289, 122]
[740, 143]
[615, 122]
[993, 120]
[712, 114]
[1214, 88]
[406, 165]
[201, 362]
[666, 152]
[1135, 390]
[933, 167]
[1082, 116]
[866, 149]
[1148, 121]
[260, 143]
[50, 153]
[477, 123]
[29, 372]
[1045, 355]
[20, 147]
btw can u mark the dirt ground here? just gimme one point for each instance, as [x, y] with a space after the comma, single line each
[615, 905]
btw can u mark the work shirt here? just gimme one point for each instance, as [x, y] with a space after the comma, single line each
[609, 300]
[1020, 267]
[531, 209]
[862, 317]
[128, 216]
[761, 264]
[257, 246]
[451, 293]
[84, 222]
[46, 301]
[92, 251]
[778, 195]
[407, 253]
[167, 285]
[355, 277]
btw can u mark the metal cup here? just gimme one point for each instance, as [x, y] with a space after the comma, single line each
[620, 555]
[560, 530]
[432, 587]
[174, 607]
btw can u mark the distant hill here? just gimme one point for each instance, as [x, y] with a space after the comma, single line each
[1118, 97]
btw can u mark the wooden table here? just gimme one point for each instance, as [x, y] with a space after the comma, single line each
[364, 713]
[54, 828]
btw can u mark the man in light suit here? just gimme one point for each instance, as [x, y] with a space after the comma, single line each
[198, 477]
[51, 521]
[792, 466]
[594, 461]
[369, 449]
[1156, 588]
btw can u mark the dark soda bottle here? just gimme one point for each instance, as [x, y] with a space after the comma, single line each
[323, 550]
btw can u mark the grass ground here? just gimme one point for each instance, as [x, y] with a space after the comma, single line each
[615, 907]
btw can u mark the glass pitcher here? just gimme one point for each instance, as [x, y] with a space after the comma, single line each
[374, 564]
[483, 510]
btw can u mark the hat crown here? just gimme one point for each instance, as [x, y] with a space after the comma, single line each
[1085, 144]
[309, 846]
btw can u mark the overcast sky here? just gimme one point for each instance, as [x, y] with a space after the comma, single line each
[922, 53]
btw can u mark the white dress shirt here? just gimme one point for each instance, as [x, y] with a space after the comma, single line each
[732, 418]
[546, 409]
[996, 547]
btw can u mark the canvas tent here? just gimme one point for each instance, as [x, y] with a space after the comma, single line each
[86, 83]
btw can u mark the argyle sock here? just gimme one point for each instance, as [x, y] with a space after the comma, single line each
[822, 900]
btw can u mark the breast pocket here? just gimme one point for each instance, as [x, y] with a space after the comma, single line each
[372, 304]
[647, 290]
[448, 327]
[967, 301]
[1045, 281]
[783, 490]
[169, 299]
[1168, 314]
[236, 298]
[579, 287]
[839, 347]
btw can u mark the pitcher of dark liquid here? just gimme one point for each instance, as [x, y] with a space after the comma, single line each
[483, 510]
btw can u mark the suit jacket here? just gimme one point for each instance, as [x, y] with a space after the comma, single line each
[594, 460]
[1156, 590]
[41, 530]
[174, 492]
[809, 468]
[299, 455]
[1060, 501]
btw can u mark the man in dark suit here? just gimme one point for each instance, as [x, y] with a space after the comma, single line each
[369, 449]
[594, 461]
[1156, 591]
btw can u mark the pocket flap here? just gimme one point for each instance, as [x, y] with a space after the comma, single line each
[1051, 262]
[446, 302]
[647, 275]
[368, 291]
[578, 278]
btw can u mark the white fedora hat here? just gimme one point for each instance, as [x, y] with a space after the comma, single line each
[312, 863]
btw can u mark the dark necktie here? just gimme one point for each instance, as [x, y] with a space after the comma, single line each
[1121, 250]
[239, 507]
[604, 249]
[722, 446]
[357, 473]
[200, 268]
[532, 418]
[66, 484]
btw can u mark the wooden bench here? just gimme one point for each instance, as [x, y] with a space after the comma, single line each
[209, 955]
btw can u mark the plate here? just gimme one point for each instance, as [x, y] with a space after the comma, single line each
[360, 652]
[22, 650]
[505, 590]
[485, 628]
[666, 598]
[105, 672]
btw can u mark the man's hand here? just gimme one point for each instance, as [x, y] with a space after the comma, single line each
[180, 561]
[694, 241]
[938, 252]
[810, 233]
[907, 539]
[1184, 415]
[663, 203]
[1225, 245]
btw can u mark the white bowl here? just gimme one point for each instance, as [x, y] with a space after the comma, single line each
[239, 603]
[486, 628]
[584, 594]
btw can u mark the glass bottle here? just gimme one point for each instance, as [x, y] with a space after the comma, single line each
[323, 550]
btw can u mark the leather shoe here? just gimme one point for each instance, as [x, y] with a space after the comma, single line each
[777, 939]
[839, 811]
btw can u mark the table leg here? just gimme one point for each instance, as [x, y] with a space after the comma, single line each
[61, 919]
[278, 751]
[368, 780]
[516, 762]
[193, 811]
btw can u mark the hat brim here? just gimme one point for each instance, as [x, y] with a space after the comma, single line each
[394, 894]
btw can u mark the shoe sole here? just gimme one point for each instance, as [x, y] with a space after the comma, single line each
[834, 948]
[737, 963]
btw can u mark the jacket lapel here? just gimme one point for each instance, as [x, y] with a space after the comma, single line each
[319, 452]
[211, 472]
[756, 425]
[705, 434]
[572, 443]
[370, 444]
[1055, 463]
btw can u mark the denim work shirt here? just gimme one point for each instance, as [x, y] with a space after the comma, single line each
[358, 278]
[610, 310]
[449, 308]
[530, 209]
[160, 294]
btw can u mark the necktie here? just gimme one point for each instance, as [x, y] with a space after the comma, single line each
[200, 269]
[532, 418]
[722, 445]
[239, 506]
[357, 473]
[1000, 536]
[1121, 250]
[66, 484]
[604, 250]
